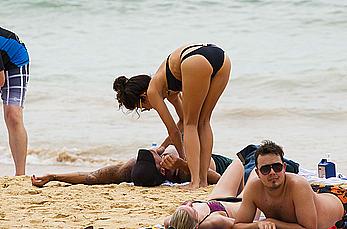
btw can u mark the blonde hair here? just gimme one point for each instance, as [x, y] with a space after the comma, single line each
[182, 220]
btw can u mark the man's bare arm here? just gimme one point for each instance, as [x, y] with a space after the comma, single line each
[113, 174]
[247, 211]
[212, 176]
[2, 78]
[2, 72]
[305, 208]
[283, 225]
[107, 175]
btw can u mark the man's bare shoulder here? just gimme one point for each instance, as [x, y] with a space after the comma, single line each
[254, 184]
[296, 180]
[298, 184]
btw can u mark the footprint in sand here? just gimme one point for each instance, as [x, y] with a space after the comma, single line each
[59, 216]
[5, 185]
[34, 191]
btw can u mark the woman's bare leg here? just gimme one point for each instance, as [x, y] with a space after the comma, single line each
[230, 182]
[216, 89]
[196, 72]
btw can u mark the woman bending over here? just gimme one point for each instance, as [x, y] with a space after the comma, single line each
[192, 78]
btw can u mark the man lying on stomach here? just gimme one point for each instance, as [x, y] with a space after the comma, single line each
[287, 200]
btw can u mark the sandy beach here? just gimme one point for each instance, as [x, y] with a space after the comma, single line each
[288, 85]
[59, 205]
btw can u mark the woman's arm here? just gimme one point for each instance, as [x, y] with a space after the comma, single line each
[174, 133]
[171, 161]
[176, 100]
[217, 219]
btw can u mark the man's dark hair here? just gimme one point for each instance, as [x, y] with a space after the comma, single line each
[145, 172]
[268, 147]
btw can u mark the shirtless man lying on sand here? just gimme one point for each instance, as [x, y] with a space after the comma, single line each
[148, 169]
[287, 200]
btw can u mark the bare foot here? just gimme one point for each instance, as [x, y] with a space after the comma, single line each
[39, 181]
[203, 185]
[190, 186]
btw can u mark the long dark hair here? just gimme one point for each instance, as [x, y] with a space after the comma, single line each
[129, 90]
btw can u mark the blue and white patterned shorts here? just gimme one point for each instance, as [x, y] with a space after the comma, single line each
[15, 86]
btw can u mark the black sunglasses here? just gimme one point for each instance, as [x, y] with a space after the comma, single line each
[266, 169]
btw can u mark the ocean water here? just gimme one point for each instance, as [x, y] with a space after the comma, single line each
[289, 79]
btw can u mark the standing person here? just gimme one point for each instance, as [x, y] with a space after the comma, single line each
[287, 200]
[201, 72]
[14, 76]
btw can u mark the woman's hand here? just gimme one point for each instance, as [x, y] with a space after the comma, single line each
[160, 150]
[170, 162]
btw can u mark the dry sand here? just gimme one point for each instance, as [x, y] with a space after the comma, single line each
[59, 205]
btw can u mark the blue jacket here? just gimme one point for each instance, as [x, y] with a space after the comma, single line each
[13, 53]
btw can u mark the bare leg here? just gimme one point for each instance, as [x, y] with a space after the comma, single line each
[216, 89]
[18, 138]
[230, 182]
[206, 145]
[196, 73]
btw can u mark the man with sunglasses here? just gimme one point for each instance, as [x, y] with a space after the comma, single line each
[287, 200]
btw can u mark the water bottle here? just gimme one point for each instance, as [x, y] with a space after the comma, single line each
[153, 145]
[326, 168]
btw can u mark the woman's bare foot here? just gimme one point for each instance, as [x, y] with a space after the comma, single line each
[203, 184]
[190, 186]
[40, 181]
